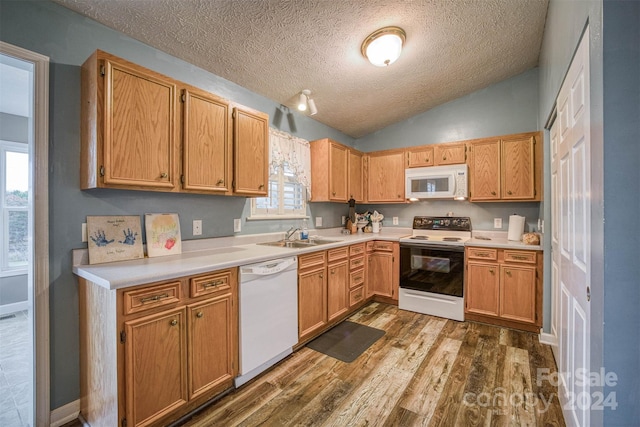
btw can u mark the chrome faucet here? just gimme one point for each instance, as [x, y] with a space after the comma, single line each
[290, 233]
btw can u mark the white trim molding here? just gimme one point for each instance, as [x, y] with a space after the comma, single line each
[548, 339]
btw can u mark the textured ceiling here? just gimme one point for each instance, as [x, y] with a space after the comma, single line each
[278, 47]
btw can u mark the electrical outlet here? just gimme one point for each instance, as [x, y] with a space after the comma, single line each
[395, 220]
[497, 222]
[343, 219]
[84, 231]
[542, 226]
[197, 227]
[237, 225]
[318, 221]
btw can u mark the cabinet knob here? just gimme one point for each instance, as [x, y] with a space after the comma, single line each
[493, 193]
[491, 271]
[199, 315]
[220, 182]
[333, 193]
[508, 272]
[444, 157]
[399, 196]
[509, 192]
[333, 271]
[163, 175]
[174, 322]
[261, 186]
[321, 276]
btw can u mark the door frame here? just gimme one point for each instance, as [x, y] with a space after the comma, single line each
[40, 255]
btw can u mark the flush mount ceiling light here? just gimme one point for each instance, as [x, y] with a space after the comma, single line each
[305, 101]
[383, 47]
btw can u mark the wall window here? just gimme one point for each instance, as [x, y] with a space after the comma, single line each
[289, 179]
[14, 202]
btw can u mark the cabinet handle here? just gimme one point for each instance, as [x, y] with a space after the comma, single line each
[261, 186]
[154, 298]
[174, 322]
[520, 257]
[357, 278]
[333, 193]
[214, 283]
[508, 272]
[509, 192]
[483, 254]
[491, 270]
[163, 175]
[220, 182]
[199, 315]
[321, 276]
[493, 193]
[333, 271]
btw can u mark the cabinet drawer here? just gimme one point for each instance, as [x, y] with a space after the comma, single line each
[337, 253]
[482, 253]
[356, 278]
[369, 246]
[316, 259]
[355, 263]
[210, 283]
[520, 256]
[382, 246]
[355, 250]
[139, 300]
[356, 295]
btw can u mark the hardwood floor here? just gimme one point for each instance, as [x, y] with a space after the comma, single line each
[424, 371]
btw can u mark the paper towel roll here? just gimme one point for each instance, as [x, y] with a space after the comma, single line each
[516, 227]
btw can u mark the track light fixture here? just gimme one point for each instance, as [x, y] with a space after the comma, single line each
[305, 101]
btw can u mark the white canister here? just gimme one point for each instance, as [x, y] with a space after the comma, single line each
[516, 227]
[375, 227]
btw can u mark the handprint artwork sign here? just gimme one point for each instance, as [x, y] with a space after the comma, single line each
[114, 238]
[163, 234]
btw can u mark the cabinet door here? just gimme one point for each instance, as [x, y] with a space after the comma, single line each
[338, 172]
[337, 289]
[449, 154]
[485, 170]
[206, 155]
[420, 157]
[483, 285]
[381, 274]
[385, 181]
[518, 179]
[212, 343]
[251, 152]
[518, 293]
[140, 128]
[155, 366]
[312, 302]
[356, 176]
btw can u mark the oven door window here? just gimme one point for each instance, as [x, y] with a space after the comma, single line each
[438, 271]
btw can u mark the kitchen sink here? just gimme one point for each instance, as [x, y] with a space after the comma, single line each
[298, 243]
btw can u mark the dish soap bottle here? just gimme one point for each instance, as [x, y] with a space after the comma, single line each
[304, 233]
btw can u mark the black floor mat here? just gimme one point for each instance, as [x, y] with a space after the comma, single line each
[346, 341]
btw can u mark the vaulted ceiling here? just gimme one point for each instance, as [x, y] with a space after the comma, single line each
[276, 48]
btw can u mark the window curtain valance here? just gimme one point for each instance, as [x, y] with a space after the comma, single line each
[284, 147]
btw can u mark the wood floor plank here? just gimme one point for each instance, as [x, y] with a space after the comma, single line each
[424, 371]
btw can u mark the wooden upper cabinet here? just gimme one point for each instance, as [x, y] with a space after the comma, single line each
[420, 157]
[356, 176]
[385, 180]
[485, 166]
[207, 142]
[506, 168]
[449, 154]
[338, 158]
[251, 152]
[129, 126]
[518, 168]
[336, 172]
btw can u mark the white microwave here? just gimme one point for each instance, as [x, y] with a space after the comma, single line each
[437, 182]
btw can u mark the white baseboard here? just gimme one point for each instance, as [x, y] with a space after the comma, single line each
[12, 308]
[64, 414]
[549, 339]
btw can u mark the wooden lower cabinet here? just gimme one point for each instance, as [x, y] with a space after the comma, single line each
[384, 274]
[152, 353]
[503, 287]
[337, 289]
[312, 301]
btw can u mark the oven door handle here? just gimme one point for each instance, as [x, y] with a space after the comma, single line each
[449, 248]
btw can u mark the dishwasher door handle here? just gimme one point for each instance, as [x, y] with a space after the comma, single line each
[269, 267]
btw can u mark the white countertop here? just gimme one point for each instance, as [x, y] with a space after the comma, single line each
[207, 255]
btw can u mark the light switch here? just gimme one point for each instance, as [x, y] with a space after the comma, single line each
[237, 225]
[395, 220]
[497, 222]
[318, 221]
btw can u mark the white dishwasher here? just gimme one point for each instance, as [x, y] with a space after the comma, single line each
[268, 315]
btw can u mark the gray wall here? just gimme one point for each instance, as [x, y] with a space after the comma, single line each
[615, 113]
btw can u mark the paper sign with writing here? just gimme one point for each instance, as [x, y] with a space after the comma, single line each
[163, 234]
[114, 238]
